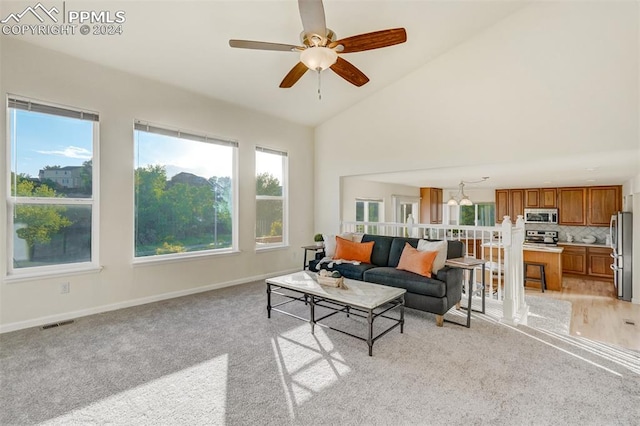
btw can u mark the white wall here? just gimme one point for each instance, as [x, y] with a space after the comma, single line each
[120, 98]
[550, 81]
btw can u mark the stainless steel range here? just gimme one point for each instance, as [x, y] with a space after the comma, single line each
[545, 238]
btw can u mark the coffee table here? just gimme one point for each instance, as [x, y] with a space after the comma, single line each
[359, 298]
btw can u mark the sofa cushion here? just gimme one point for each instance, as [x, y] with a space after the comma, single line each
[419, 262]
[348, 250]
[438, 246]
[411, 282]
[380, 253]
[349, 270]
[330, 242]
[396, 249]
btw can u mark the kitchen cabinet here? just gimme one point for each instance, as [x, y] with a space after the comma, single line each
[502, 205]
[548, 198]
[590, 262]
[572, 206]
[531, 198]
[598, 262]
[603, 201]
[574, 260]
[543, 198]
[516, 203]
[509, 202]
[431, 206]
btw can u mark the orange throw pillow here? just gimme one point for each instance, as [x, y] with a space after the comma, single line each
[348, 250]
[418, 262]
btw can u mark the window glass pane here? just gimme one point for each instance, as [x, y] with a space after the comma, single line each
[56, 151]
[270, 197]
[374, 209]
[486, 214]
[360, 211]
[269, 221]
[183, 195]
[468, 215]
[51, 234]
[50, 186]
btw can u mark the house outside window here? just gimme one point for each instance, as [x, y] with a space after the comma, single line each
[52, 219]
[185, 193]
[271, 198]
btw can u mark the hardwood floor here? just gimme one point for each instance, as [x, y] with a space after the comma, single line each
[596, 313]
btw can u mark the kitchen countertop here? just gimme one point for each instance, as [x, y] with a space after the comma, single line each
[550, 249]
[581, 244]
[525, 246]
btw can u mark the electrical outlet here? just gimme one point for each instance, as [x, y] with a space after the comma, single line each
[65, 288]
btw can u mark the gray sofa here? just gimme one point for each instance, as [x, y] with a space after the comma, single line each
[435, 295]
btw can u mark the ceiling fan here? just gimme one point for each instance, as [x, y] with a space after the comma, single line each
[320, 48]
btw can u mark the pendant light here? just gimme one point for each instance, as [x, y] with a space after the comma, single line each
[461, 198]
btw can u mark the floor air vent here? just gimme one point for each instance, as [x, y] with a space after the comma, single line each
[56, 324]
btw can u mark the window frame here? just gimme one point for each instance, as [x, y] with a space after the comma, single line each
[284, 198]
[172, 131]
[12, 201]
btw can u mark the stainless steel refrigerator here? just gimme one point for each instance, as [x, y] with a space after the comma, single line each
[621, 235]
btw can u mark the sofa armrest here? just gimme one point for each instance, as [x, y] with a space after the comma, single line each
[453, 278]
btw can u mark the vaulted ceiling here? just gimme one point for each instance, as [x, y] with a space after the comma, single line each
[185, 43]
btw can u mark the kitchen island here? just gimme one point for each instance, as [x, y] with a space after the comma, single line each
[551, 256]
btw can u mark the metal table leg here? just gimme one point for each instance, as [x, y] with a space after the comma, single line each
[312, 318]
[268, 300]
[370, 338]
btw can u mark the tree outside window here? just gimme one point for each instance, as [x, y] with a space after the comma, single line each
[183, 192]
[271, 167]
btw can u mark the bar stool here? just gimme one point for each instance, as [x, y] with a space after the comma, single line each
[542, 280]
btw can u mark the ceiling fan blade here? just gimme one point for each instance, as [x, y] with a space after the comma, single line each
[349, 72]
[263, 45]
[294, 75]
[369, 41]
[312, 15]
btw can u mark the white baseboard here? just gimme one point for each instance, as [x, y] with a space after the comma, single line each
[52, 319]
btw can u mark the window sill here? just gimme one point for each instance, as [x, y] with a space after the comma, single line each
[154, 260]
[265, 248]
[26, 276]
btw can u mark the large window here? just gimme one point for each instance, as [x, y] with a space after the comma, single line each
[271, 197]
[368, 211]
[52, 201]
[185, 196]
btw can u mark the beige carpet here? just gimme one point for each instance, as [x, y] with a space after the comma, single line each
[215, 358]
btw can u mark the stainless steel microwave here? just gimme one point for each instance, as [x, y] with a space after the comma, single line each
[541, 216]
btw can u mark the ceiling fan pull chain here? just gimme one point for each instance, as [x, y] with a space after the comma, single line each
[319, 85]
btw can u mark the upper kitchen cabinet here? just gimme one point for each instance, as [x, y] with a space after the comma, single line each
[502, 205]
[543, 198]
[431, 206]
[603, 202]
[572, 206]
[548, 198]
[509, 202]
[531, 198]
[516, 203]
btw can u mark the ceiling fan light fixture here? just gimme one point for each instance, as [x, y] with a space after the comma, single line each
[318, 58]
